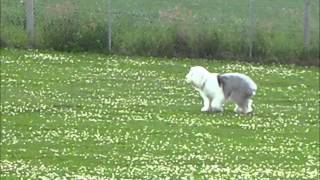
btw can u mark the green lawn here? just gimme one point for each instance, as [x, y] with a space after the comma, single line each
[96, 116]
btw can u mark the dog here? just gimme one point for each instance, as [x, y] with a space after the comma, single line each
[215, 89]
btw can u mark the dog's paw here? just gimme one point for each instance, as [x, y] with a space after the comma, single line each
[215, 109]
[239, 110]
[248, 111]
[243, 111]
[205, 109]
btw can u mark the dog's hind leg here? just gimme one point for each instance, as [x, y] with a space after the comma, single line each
[243, 103]
[245, 106]
[249, 107]
[238, 109]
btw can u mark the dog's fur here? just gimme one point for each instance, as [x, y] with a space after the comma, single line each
[215, 89]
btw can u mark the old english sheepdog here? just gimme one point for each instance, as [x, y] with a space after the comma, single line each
[215, 89]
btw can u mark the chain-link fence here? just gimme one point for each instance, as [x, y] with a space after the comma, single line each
[277, 30]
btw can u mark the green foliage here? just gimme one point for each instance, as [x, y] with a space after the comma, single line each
[199, 29]
[61, 34]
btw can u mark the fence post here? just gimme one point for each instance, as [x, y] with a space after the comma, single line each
[306, 30]
[109, 26]
[30, 22]
[252, 19]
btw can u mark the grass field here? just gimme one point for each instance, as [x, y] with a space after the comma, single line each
[95, 116]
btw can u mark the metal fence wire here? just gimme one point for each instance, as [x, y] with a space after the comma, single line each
[254, 29]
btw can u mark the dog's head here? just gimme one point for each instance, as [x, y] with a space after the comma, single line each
[197, 76]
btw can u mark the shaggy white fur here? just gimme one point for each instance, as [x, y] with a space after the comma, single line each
[207, 85]
[215, 89]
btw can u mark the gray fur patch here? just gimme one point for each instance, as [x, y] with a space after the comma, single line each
[236, 86]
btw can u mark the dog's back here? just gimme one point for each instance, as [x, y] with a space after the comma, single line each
[237, 83]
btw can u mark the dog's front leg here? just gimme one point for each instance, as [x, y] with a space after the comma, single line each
[206, 102]
[217, 104]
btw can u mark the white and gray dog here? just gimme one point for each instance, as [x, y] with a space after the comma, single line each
[215, 89]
